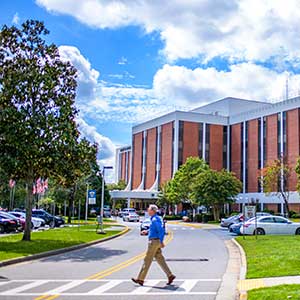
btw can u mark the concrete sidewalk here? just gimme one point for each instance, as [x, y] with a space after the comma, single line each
[250, 284]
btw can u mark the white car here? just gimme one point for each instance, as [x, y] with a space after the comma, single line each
[270, 225]
[131, 217]
[36, 222]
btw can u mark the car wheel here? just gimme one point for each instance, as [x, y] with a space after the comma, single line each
[2, 229]
[32, 226]
[259, 231]
[298, 231]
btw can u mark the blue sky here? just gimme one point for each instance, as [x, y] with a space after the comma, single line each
[143, 58]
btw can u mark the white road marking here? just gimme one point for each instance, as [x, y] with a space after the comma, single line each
[65, 287]
[24, 287]
[187, 285]
[103, 288]
[149, 284]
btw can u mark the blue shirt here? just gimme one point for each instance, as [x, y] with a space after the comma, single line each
[156, 230]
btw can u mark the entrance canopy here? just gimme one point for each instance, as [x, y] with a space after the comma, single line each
[136, 194]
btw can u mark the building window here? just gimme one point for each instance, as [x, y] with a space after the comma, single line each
[279, 135]
[200, 144]
[207, 142]
[180, 144]
[225, 147]
[246, 156]
[242, 151]
[284, 116]
[264, 140]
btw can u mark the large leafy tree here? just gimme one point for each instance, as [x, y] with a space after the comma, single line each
[37, 112]
[275, 177]
[215, 188]
[79, 163]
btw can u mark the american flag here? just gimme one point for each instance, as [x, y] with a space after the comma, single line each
[11, 183]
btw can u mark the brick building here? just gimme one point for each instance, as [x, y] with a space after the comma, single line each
[236, 134]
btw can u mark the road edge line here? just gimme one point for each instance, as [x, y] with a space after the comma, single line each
[61, 250]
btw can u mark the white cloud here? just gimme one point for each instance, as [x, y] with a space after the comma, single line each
[123, 61]
[240, 30]
[16, 19]
[246, 80]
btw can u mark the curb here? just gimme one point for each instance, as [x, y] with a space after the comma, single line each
[62, 250]
[243, 271]
[228, 288]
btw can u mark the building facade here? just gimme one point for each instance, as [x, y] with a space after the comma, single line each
[236, 134]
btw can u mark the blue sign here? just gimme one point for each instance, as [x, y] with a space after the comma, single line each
[92, 196]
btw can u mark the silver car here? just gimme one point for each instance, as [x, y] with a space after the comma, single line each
[270, 225]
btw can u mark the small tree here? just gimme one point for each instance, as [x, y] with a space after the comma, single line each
[37, 112]
[180, 188]
[274, 179]
[215, 188]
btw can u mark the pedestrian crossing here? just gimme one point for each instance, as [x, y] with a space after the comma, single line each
[113, 287]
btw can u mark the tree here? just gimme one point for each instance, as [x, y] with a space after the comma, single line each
[37, 111]
[180, 188]
[215, 188]
[274, 179]
[80, 159]
[121, 185]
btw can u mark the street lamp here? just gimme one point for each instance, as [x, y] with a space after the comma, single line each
[102, 198]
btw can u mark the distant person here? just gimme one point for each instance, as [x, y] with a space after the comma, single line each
[156, 236]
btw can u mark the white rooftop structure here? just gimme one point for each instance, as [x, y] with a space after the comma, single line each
[230, 106]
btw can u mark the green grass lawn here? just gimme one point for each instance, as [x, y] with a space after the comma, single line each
[12, 246]
[271, 255]
[281, 292]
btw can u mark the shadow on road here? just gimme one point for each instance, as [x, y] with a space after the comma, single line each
[86, 255]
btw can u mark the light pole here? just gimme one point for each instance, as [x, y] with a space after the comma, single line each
[102, 199]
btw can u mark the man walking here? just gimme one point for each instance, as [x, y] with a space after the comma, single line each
[156, 242]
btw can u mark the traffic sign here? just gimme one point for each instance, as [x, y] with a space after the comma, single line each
[250, 211]
[92, 197]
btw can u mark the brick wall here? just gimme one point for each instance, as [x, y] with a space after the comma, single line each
[166, 152]
[137, 159]
[216, 147]
[129, 166]
[151, 157]
[190, 140]
[272, 140]
[236, 147]
[292, 130]
[252, 155]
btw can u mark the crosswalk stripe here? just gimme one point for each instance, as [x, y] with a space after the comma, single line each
[65, 287]
[24, 287]
[104, 288]
[149, 284]
[187, 285]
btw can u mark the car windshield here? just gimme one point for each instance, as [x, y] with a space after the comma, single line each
[7, 215]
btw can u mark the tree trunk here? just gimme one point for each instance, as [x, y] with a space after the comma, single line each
[28, 207]
[216, 212]
[286, 202]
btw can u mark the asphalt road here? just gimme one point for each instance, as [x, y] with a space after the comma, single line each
[197, 257]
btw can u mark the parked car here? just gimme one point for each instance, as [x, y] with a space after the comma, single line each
[227, 222]
[126, 210]
[270, 225]
[52, 221]
[131, 217]
[19, 222]
[106, 213]
[145, 225]
[35, 222]
[7, 225]
[235, 228]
